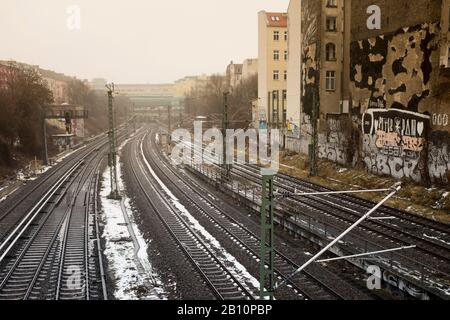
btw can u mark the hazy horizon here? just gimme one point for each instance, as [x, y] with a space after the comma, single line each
[134, 41]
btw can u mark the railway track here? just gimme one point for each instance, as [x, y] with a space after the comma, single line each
[305, 286]
[426, 266]
[11, 210]
[51, 252]
[411, 226]
[222, 282]
[436, 254]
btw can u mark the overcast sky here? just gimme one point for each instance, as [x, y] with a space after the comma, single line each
[133, 41]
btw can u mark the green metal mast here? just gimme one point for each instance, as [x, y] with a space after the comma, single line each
[112, 158]
[225, 124]
[169, 123]
[266, 264]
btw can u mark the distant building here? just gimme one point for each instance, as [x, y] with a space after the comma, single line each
[382, 93]
[98, 84]
[399, 86]
[58, 85]
[233, 75]
[185, 86]
[249, 68]
[294, 66]
[148, 95]
[315, 67]
[272, 68]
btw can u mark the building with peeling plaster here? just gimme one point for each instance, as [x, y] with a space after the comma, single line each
[315, 67]
[399, 83]
[389, 112]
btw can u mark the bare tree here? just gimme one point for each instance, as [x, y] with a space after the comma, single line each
[22, 96]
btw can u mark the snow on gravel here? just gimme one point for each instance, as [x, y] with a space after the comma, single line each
[131, 269]
[238, 270]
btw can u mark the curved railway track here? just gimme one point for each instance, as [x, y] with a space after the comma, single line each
[222, 282]
[436, 255]
[415, 221]
[406, 227]
[305, 286]
[51, 252]
[427, 263]
[24, 199]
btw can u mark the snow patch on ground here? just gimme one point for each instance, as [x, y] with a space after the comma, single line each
[238, 270]
[131, 269]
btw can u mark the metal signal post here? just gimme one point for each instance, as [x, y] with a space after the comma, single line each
[267, 254]
[112, 158]
[225, 124]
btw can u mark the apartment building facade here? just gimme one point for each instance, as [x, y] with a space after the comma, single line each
[186, 85]
[249, 68]
[316, 67]
[400, 87]
[382, 94]
[233, 75]
[272, 69]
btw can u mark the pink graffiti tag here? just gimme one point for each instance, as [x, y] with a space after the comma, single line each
[393, 139]
[413, 143]
[385, 139]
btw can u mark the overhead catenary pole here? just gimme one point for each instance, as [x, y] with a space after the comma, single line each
[169, 119]
[225, 124]
[267, 257]
[278, 109]
[269, 112]
[112, 145]
[44, 129]
[134, 118]
[273, 110]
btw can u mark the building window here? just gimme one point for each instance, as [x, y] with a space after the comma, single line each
[285, 36]
[276, 55]
[285, 75]
[331, 24]
[330, 51]
[332, 3]
[276, 35]
[330, 78]
[285, 55]
[276, 75]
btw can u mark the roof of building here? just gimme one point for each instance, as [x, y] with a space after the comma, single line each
[276, 19]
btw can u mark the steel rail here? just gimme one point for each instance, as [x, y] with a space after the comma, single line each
[197, 189]
[216, 291]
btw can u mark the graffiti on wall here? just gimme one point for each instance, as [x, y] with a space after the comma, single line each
[439, 157]
[310, 20]
[335, 139]
[440, 119]
[394, 143]
[310, 54]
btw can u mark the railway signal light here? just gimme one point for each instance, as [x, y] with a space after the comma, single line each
[112, 157]
[267, 254]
